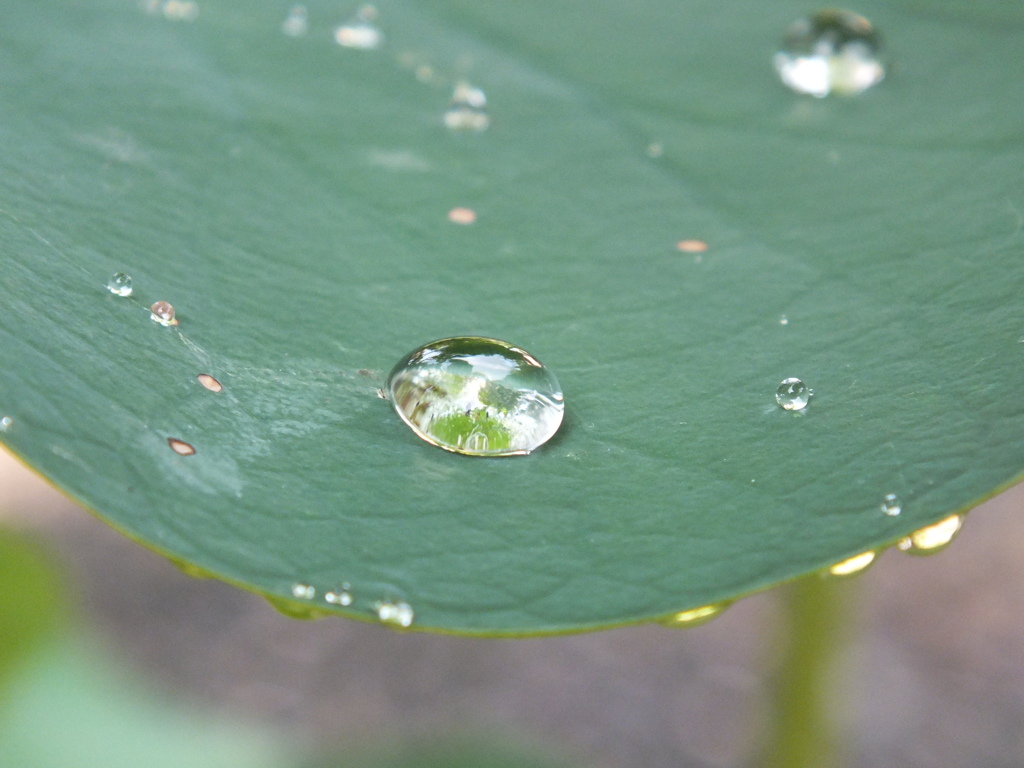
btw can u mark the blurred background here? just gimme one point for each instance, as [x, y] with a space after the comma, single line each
[110, 656]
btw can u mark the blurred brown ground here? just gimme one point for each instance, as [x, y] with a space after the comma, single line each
[935, 676]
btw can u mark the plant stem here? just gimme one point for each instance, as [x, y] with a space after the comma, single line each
[803, 734]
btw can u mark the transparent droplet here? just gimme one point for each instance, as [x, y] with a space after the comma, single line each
[180, 447]
[932, 538]
[120, 284]
[296, 23]
[793, 394]
[163, 313]
[303, 591]
[339, 596]
[398, 614]
[655, 150]
[468, 109]
[695, 616]
[891, 504]
[783, 320]
[5, 423]
[360, 32]
[477, 396]
[852, 565]
[833, 51]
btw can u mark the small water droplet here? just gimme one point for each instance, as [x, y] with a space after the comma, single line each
[477, 396]
[425, 73]
[833, 51]
[467, 110]
[180, 447]
[398, 614]
[360, 32]
[691, 246]
[891, 504]
[793, 394]
[120, 284]
[783, 320]
[175, 10]
[462, 216]
[852, 565]
[303, 591]
[296, 23]
[163, 313]
[655, 150]
[932, 538]
[209, 382]
[340, 596]
[694, 617]
[5, 423]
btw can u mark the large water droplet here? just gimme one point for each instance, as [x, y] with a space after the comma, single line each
[296, 23]
[468, 109]
[360, 32]
[932, 538]
[163, 313]
[833, 51]
[694, 617]
[852, 565]
[477, 396]
[793, 394]
[120, 284]
[398, 614]
[891, 504]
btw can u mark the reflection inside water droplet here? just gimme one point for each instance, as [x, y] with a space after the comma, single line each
[360, 32]
[695, 617]
[932, 538]
[296, 24]
[793, 394]
[398, 614]
[833, 51]
[467, 110]
[163, 313]
[120, 284]
[783, 320]
[477, 396]
[5, 423]
[303, 591]
[853, 565]
[891, 504]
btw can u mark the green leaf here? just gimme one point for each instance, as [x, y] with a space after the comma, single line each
[289, 197]
[32, 608]
[76, 706]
